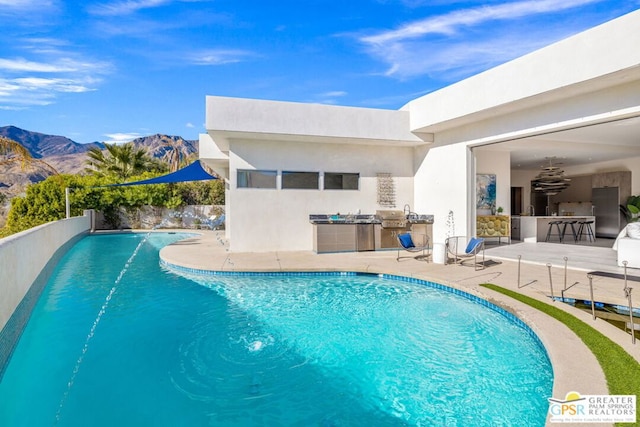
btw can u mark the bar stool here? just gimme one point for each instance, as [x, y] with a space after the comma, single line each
[574, 232]
[549, 231]
[584, 227]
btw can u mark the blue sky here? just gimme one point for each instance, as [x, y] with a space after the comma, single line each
[116, 70]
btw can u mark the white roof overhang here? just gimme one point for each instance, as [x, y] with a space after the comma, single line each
[237, 118]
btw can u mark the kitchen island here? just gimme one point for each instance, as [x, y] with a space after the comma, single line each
[534, 228]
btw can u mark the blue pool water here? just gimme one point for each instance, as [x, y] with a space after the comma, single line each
[116, 339]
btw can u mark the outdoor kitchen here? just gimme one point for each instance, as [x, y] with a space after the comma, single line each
[366, 232]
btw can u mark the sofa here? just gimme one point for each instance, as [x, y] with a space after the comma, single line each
[628, 245]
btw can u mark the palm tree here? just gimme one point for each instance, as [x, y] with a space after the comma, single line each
[121, 161]
[14, 152]
[176, 153]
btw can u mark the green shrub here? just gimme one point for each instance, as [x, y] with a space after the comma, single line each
[45, 200]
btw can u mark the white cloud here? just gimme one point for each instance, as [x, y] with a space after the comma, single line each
[21, 64]
[44, 70]
[17, 95]
[125, 7]
[34, 14]
[24, 92]
[42, 45]
[330, 97]
[24, 4]
[218, 56]
[453, 42]
[451, 22]
[121, 138]
[57, 85]
[54, 61]
[460, 59]
[334, 94]
[190, 125]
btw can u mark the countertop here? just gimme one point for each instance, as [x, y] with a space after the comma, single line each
[535, 228]
[553, 216]
[364, 219]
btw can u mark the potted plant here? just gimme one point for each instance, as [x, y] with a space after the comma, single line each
[500, 210]
[632, 210]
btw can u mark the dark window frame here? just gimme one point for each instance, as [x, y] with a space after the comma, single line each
[264, 172]
[343, 174]
[286, 185]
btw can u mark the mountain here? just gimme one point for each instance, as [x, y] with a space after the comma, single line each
[69, 157]
[41, 145]
[161, 146]
[47, 147]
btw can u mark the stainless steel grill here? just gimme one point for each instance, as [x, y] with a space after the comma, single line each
[392, 218]
[394, 224]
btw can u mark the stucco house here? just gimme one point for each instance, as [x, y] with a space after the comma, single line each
[577, 100]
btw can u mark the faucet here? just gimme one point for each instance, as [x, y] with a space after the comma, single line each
[532, 210]
[407, 212]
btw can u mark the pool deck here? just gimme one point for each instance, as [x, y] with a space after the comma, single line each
[575, 367]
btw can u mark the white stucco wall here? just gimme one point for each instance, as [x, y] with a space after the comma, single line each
[24, 255]
[227, 117]
[276, 220]
[569, 112]
[444, 182]
[211, 155]
[498, 163]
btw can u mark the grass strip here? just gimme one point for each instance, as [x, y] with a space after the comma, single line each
[621, 371]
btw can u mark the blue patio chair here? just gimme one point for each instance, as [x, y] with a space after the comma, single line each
[473, 248]
[406, 243]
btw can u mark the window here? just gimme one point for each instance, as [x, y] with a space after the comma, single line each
[341, 181]
[301, 180]
[256, 179]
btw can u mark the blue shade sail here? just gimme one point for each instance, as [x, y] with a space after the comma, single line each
[193, 172]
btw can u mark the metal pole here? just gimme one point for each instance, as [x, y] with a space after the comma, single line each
[627, 291]
[67, 203]
[550, 282]
[565, 272]
[593, 304]
[625, 274]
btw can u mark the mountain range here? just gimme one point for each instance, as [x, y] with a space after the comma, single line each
[69, 157]
[41, 145]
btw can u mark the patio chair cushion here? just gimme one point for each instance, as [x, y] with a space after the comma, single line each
[473, 244]
[406, 241]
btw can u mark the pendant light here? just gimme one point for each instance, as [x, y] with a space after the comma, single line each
[551, 180]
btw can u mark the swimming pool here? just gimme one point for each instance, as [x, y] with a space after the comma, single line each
[118, 340]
